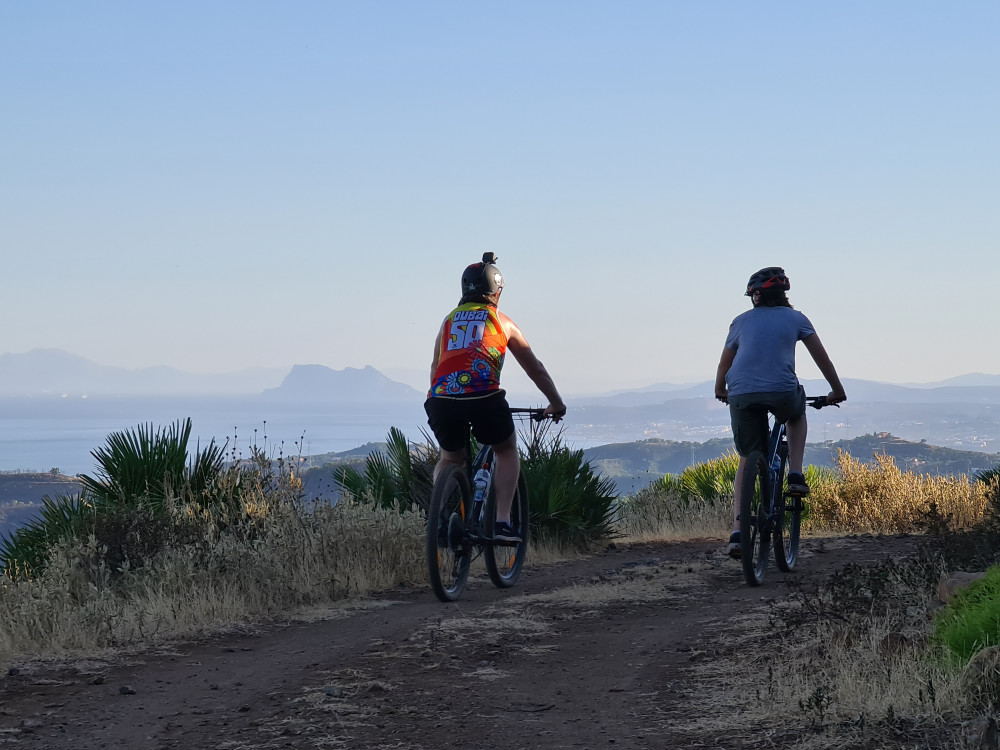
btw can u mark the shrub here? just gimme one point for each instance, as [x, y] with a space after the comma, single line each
[125, 507]
[972, 621]
[570, 503]
[222, 573]
[990, 481]
[64, 518]
[711, 479]
[880, 498]
[666, 510]
[144, 467]
[400, 478]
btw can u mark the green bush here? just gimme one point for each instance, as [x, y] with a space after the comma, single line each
[570, 504]
[64, 518]
[711, 479]
[400, 478]
[972, 621]
[125, 506]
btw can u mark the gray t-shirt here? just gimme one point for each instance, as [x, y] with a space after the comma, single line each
[764, 340]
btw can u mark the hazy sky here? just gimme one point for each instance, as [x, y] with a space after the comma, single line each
[219, 185]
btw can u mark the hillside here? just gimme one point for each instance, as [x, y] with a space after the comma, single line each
[632, 466]
[21, 495]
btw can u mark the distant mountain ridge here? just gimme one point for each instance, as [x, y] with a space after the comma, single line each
[974, 388]
[55, 373]
[635, 465]
[321, 384]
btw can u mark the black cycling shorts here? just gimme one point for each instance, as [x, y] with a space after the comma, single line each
[748, 414]
[450, 418]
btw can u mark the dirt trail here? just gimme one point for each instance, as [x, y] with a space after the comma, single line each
[596, 653]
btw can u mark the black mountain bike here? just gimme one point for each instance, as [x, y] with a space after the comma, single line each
[767, 511]
[460, 523]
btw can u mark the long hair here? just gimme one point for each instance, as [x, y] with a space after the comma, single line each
[773, 298]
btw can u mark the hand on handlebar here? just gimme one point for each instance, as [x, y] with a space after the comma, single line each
[555, 413]
[833, 399]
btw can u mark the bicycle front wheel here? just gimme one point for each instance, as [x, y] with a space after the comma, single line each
[788, 523]
[504, 561]
[755, 532]
[448, 549]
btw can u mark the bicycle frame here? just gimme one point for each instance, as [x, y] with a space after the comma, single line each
[777, 458]
[460, 523]
[484, 459]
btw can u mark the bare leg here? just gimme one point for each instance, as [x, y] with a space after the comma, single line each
[796, 430]
[508, 465]
[448, 457]
[737, 490]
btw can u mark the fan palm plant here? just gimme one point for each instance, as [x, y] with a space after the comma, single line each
[145, 467]
[61, 519]
[570, 503]
[399, 478]
[125, 505]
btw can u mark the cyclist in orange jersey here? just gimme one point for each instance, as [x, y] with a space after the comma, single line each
[465, 384]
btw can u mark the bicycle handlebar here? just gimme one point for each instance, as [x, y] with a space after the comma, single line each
[536, 413]
[818, 402]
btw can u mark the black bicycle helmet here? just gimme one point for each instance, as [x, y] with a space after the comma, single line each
[768, 278]
[482, 278]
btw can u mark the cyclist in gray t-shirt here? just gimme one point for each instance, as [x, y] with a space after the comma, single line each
[756, 375]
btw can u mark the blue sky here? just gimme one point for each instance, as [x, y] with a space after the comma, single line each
[222, 185]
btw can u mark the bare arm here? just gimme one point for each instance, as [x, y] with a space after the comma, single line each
[437, 354]
[725, 362]
[818, 352]
[519, 347]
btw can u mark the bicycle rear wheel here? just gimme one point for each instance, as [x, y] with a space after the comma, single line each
[755, 532]
[504, 561]
[448, 549]
[788, 523]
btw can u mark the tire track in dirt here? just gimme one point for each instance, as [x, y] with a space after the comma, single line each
[598, 652]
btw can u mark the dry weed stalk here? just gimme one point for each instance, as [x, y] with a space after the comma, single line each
[657, 513]
[236, 571]
[880, 498]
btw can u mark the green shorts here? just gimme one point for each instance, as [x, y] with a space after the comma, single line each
[749, 411]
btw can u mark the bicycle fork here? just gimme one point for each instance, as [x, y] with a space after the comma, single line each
[777, 460]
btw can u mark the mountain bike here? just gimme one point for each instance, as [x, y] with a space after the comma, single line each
[767, 510]
[460, 523]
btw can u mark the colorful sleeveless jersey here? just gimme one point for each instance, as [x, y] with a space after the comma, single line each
[473, 344]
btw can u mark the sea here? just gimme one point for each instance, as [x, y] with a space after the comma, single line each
[42, 434]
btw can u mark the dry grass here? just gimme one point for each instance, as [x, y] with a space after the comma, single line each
[859, 498]
[832, 672]
[657, 514]
[299, 559]
[850, 666]
[835, 682]
[879, 498]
